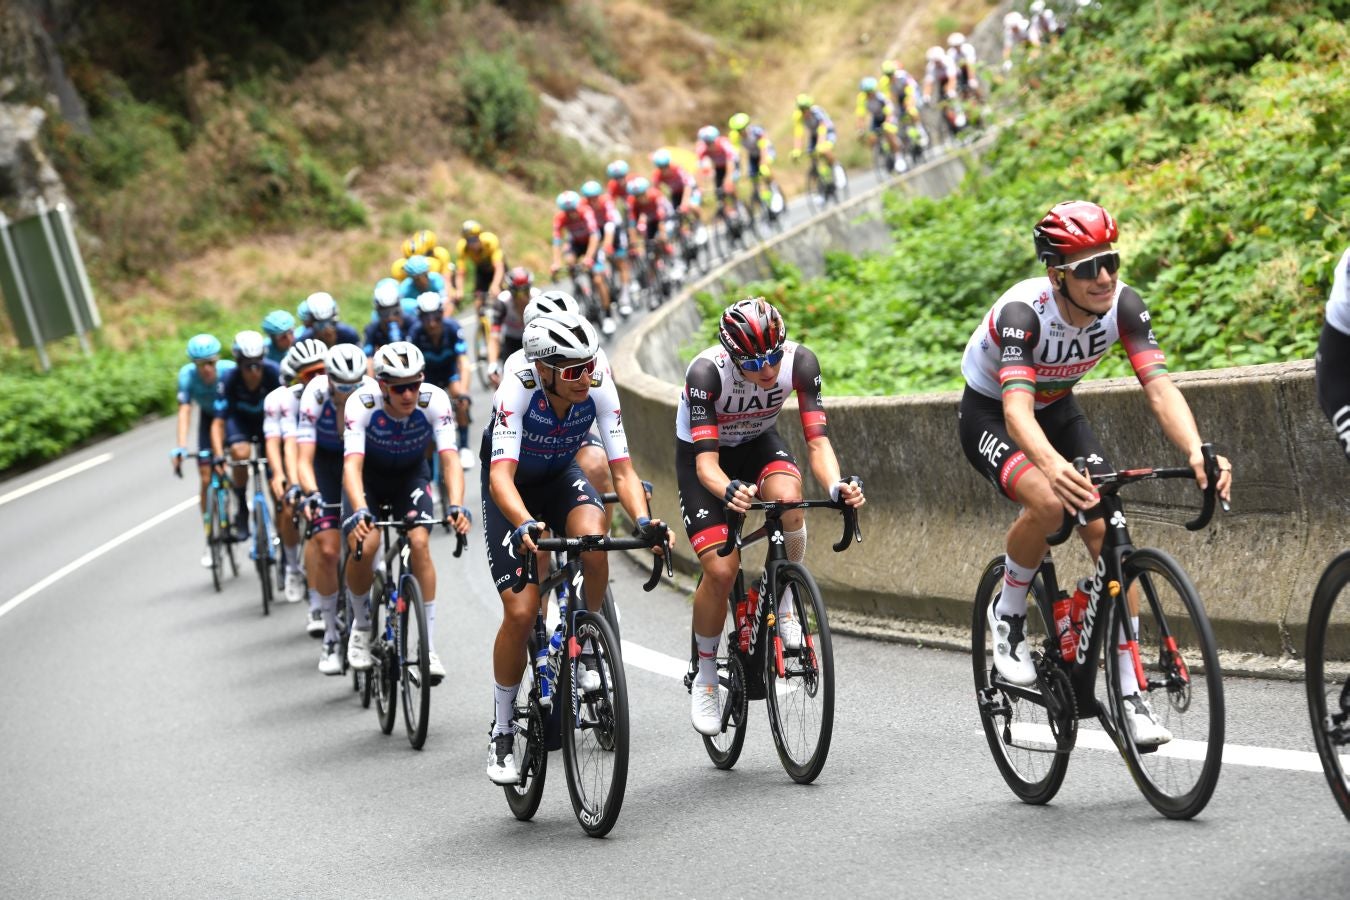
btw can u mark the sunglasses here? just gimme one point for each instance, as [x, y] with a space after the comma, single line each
[1089, 268]
[251, 365]
[407, 387]
[320, 324]
[343, 387]
[756, 363]
[575, 372]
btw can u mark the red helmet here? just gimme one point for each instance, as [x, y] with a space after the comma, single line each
[519, 277]
[1071, 227]
[751, 328]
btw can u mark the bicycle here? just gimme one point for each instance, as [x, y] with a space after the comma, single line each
[590, 727]
[1327, 676]
[265, 544]
[695, 251]
[797, 685]
[766, 206]
[729, 225]
[653, 272]
[218, 521]
[825, 184]
[482, 328]
[1032, 730]
[398, 620]
[883, 156]
[586, 292]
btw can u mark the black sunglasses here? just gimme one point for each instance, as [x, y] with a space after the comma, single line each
[406, 387]
[1089, 268]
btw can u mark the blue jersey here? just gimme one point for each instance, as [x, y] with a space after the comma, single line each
[525, 429]
[390, 443]
[409, 291]
[275, 353]
[235, 399]
[379, 333]
[191, 388]
[346, 334]
[442, 356]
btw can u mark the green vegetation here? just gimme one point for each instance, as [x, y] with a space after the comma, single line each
[1216, 133]
[500, 109]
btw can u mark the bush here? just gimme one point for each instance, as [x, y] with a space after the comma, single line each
[500, 108]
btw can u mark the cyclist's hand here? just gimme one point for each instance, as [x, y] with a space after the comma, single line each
[648, 528]
[523, 537]
[460, 518]
[311, 505]
[849, 490]
[218, 463]
[358, 524]
[739, 496]
[1073, 489]
[278, 485]
[176, 460]
[292, 496]
[1197, 464]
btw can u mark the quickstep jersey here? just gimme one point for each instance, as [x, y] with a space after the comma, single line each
[391, 443]
[441, 355]
[236, 399]
[318, 419]
[280, 411]
[1023, 344]
[719, 405]
[525, 429]
[1338, 304]
[191, 388]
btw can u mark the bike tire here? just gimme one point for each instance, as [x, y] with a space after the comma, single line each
[1176, 787]
[530, 749]
[801, 701]
[415, 665]
[610, 610]
[1329, 699]
[595, 728]
[724, 749]
[215, 539]
[1029, 760]
[816, 196]
[480, 343]
[385, 651]
[227, 530]
[262, 551]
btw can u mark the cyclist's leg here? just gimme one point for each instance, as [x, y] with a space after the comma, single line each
[204, 456]
[323, 555]
[594, 464]
[239, 435]
[780, 479]
[1333, 382]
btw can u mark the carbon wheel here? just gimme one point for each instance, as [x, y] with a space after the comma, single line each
[1328, 676]
[414, 664]
[384, 650]
[799, 683]
[262, 552]
[530, 750]
[215, 538]
[594, 726]
[725, 749]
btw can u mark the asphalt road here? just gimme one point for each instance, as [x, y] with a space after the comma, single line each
[160, 739]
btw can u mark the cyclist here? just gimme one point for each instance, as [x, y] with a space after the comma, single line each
[508, 320]
[1017, 31]
[421, 279]
[614, 235]
[718, 159]
[281, 410]
[939, 76]
[964, 59]
[531, 482]
[814, 128]
[303, 317]
[1044, 25]
[388, 430]
[753, 141]
[239, 414]
[1333, 356]
[728, 450]
[648, 211]
[279, 326]
[617, 185]
[1020, 423]
[199, 384]
[423, 243]
[324, 323]
[583, 245]
[683, 189]
[318, 439]
[441, 342]
[483, 250]
[390, 323]
[905, 91]
[876, 118]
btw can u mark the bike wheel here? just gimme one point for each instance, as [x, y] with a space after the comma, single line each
[215, 538]
[1328, 676]
[1018, 729]
[480, 349]
[530, 749]
[815, 190]
[1185, 687]
[799, 684]
[724, 749]
[595, 727]
[611, 613]
[227, 530]
[414, 662]
[384, 676]
[262, 552]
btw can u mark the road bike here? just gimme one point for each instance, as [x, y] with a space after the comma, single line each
[767, 206]
[264, 543]
[797, 684]
[731, 225]
[552, 710]
[825, 183]
[1032, 730]
[218, 522]
[1327, 675]
[652, 272]
[694, 243]
[913, 141]
[399, 643]
[481, 329]
[883, 156]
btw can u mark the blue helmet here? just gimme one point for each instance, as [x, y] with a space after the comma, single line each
[591, 189]
[707, 134]
[661, 158]
[617, 169]
[302, 313]
[568, 201]
[638, 186]
[417, 265]
[203, 346]
[278, 321]
[867, 85]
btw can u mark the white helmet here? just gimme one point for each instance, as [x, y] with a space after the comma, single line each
[551, 302]
[935, 53]
[430, 302]
[249, 345]
[304, 354]
[1037, 6]
[955, 39]
[1012, 20]
[321, 306]
[287, 371]
[560, 337]
[345, 363]
[401, 359]
[386, 295]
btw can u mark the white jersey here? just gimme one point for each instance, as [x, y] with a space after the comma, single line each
[373, 431]
[318, 421]
[1338, 304]
[718, 403]
[963, 55]
[281, 411]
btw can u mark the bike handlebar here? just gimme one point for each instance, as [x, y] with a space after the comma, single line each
[1114, 480]
[403, 526]
[736, 520]
[587, 543]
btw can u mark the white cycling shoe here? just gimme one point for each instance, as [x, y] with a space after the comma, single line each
[705, 712]
[435, 668]
[501, 765]
[588, 679]
[315, 627]
[1144, 728]
[1012, 656]
[358, 650]
[206, 558]
[330, 663]
[608, 326]
[295, 585]
[790, 632]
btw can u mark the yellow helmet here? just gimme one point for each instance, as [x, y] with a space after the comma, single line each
[738, 122]
[471, 229]
[410, 248]
[804, 101]
[424, 242]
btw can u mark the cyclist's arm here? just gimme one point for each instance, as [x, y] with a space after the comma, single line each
[442, 421]
[184, 421]
[311, 405]
[806, 382]
[354, 445]
[291, 459]
[702, 390]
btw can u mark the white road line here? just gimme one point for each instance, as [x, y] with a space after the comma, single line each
[55, 477]
[653, 660]
[96, 553]
[1233, 754]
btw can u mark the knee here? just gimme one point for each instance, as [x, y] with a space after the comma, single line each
[718, 571]
[518, 613]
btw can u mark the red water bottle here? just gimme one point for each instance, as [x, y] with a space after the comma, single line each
[1079, 604]
[744, 610]
[1068, 640]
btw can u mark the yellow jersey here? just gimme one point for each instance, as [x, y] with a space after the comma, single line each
[488, 251]
[439, 258]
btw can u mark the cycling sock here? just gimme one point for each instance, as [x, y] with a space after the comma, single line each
[1012, 601]
[505, 698]
[430, 606]
[328, 604]
[707, 658]
[315, 601]
[462, 432]
[292, 552]
[794, 544]
[1129, 682]
[361, 611]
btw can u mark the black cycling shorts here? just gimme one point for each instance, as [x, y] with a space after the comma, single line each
[328, 477]
[406, 490]
[242, 429]
[550, 502]
[994, 454]
[1333, 382]
[705, 516]
[482, 276]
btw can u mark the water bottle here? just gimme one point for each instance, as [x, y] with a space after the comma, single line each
[545, 670]
[395, 331]
[744, 610]
[1068, 639]
[1079, 604]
